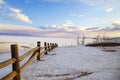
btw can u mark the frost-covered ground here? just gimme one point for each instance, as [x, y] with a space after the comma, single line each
[69, 63]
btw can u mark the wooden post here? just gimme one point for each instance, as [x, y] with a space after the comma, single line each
[52, 46]
[48, 47]
[55, 45]
[45, 44]
[38, 45]
[16, 65]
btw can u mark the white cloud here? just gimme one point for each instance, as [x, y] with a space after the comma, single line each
[16, 14]
[13, 13]
[15, 10]
[117, 22]
[109, 10]
[63, 30]
[115, 26]
[59, 30]
[2, 2]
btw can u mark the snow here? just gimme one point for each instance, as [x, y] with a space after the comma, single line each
[69, 62]
[65, 63]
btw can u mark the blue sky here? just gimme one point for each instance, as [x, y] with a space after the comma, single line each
[51, 15]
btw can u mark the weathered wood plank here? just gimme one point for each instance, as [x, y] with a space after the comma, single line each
[7, 62]
[9, 76]
[28, 62]
[28, 53]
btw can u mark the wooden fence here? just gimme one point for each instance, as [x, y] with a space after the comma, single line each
[15, 60]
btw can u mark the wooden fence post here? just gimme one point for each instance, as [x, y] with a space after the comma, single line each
[38, 45]
[16, 65]
[45, 44]
[48, 47]
[53, 45]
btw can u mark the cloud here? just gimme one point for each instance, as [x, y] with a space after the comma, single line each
[2, 2]
[19, 30]
[62, 30]
[94, 29]
[115, 26]
[13, 13]
[109, 10]
[68, 27]
[116, 22]
[17, 15]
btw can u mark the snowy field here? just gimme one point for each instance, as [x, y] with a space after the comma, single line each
[76, 63]
[68, 63]
[73, 63]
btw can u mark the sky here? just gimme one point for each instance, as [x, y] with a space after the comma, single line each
[60, 18]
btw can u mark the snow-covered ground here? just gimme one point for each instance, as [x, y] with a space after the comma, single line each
[64, 63]
[69, 63]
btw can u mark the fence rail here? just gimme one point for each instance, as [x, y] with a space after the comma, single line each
[15, 60]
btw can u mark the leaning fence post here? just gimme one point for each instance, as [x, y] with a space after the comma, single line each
[45, 44]
[16, 65]
[38, 45]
